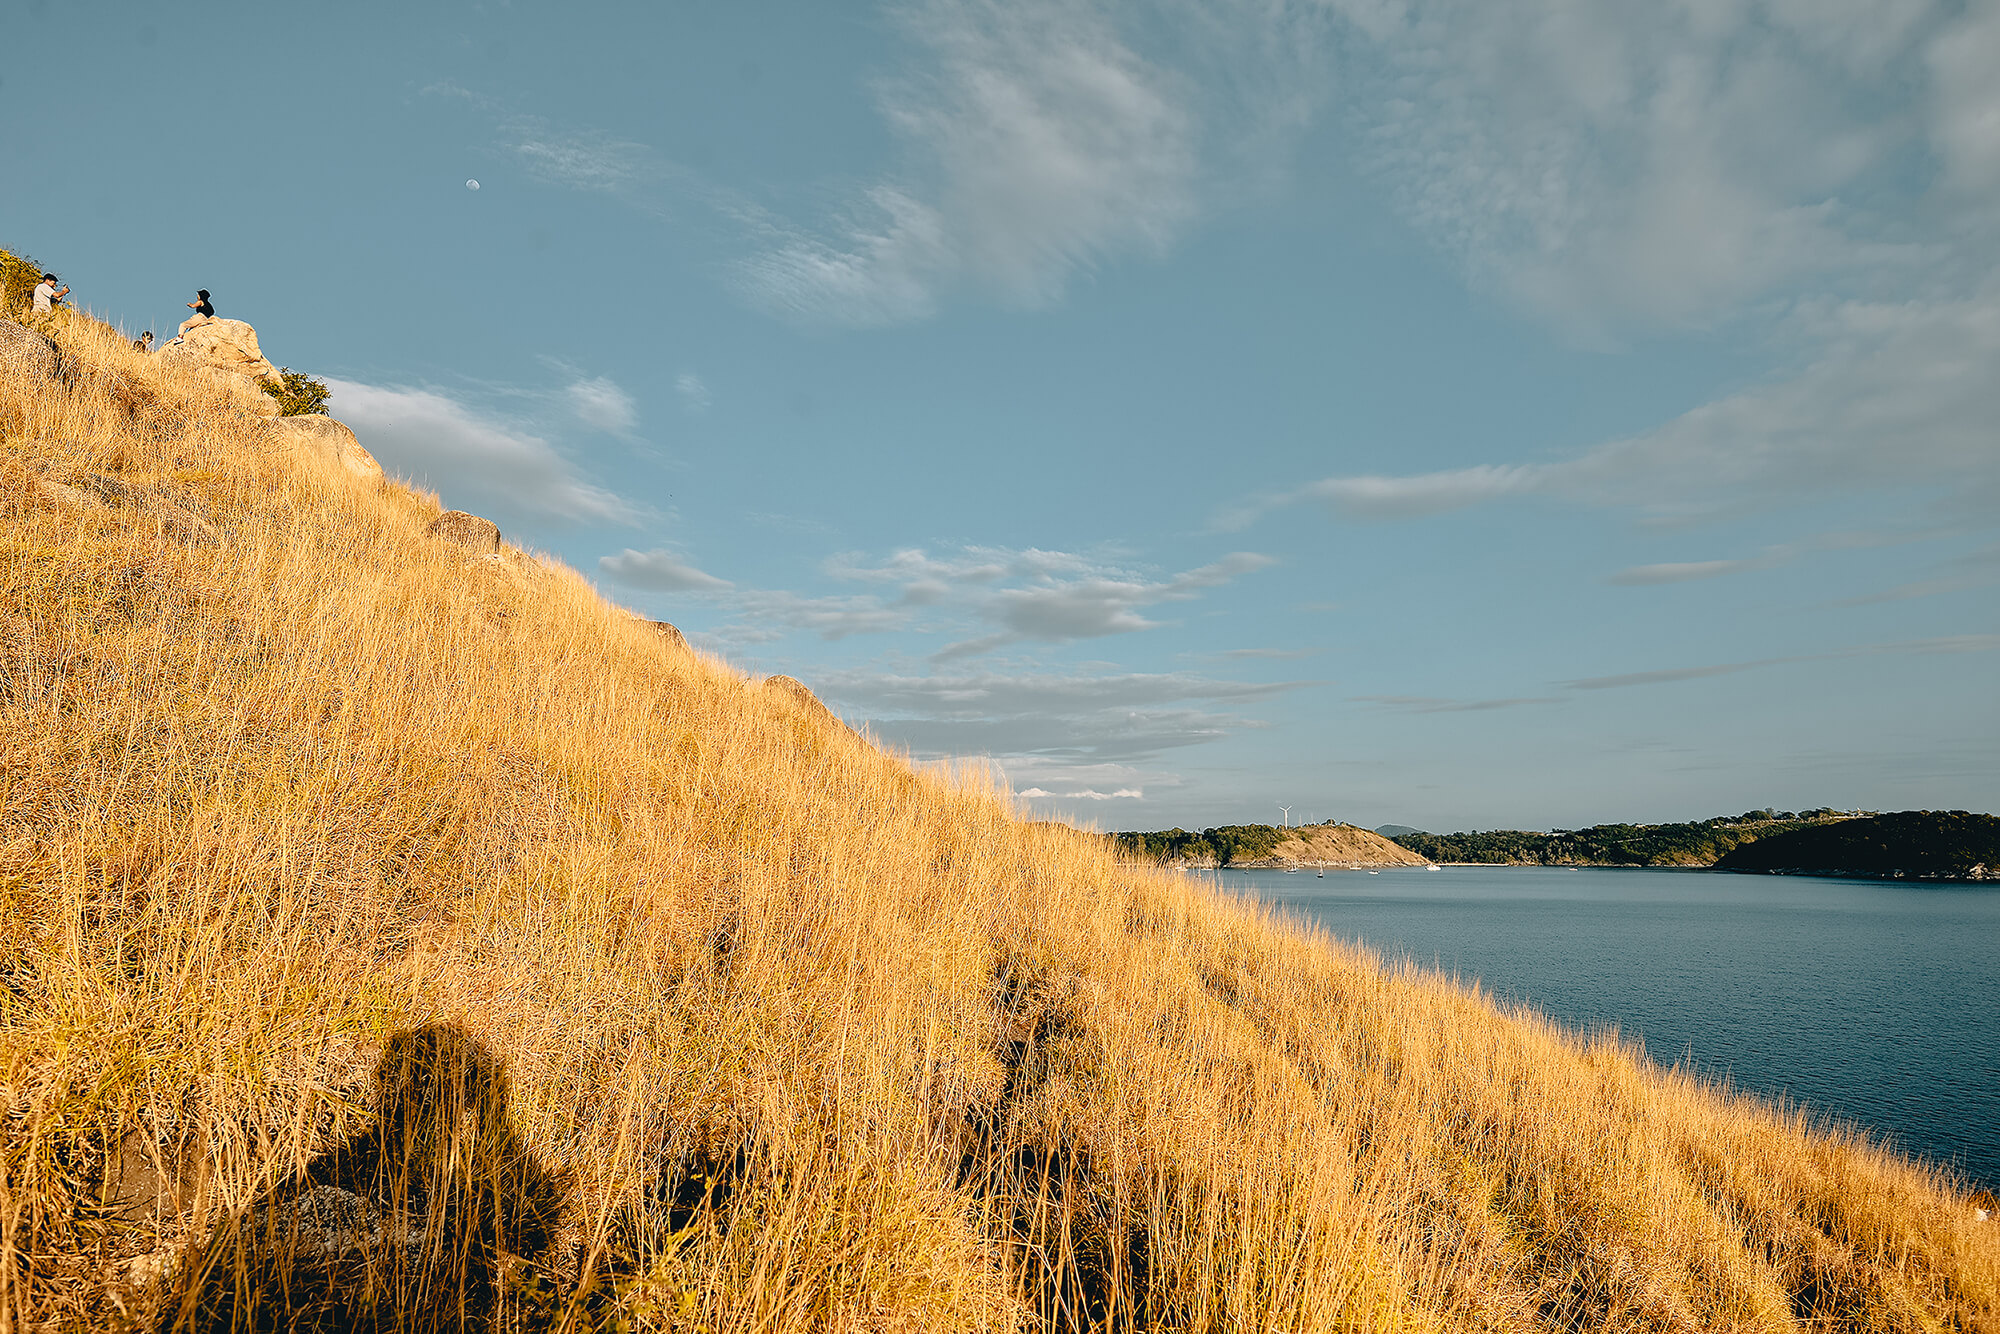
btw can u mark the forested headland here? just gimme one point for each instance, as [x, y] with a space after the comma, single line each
[1918, 845]
[1699, 843]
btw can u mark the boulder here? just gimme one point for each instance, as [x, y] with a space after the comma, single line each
[220, 345]
[169, 518]
[25, 353]
[327, 441]
[225, 353]
[173, 520]
[796, 691]
[477, 535]
[673, 636]
[68, 497]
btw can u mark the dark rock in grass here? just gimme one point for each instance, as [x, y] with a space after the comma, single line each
[477, 535]
[26, 353]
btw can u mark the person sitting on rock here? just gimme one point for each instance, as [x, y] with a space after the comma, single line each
[203, 313]
[144, 342]
[47, 296]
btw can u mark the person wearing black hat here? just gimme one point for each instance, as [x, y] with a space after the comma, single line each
[203, 313]
[47, 297]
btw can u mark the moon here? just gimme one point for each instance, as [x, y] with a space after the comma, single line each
[472, 185]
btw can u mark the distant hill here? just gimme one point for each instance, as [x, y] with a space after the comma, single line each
[1696, 844]
[1396, 830]
[1922, 845]
[1255, 845]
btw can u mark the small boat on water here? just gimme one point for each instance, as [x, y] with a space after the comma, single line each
[1374, 873]
[1322, 873]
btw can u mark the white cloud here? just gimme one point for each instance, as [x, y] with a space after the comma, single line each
[1964, 58]
[1679, 572]
[1040, 145]
[599, 403]
[1433, 704]
[1616, 164]
[660, 571]
[579, 160]
[694, 394]
[1048, 727]
[1086, 794]
[1029, 595]
[764, 614]
[1897, 394]
[1975, 643]
[471, 458]
[1609, 166]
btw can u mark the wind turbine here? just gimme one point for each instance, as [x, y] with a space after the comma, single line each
[1288, 815]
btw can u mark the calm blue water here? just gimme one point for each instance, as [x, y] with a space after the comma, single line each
[1876, 1002]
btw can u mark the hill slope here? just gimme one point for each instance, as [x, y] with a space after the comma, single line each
[1263, 845]
[1691, 844]
[395, 936]
[1928, 845]
[1338, 845]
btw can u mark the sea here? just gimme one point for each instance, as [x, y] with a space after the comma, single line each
[1876, 1003]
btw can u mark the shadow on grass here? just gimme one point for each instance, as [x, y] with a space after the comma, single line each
[436, 1219]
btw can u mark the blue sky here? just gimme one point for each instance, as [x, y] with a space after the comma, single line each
[1460, 413]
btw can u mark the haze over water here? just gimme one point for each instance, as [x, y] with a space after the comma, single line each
[1872, 1001]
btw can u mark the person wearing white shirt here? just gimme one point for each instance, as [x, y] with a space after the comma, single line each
[46, 294]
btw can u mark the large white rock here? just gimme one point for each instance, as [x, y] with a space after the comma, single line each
[225, 353]
[222, 345]
[327, 441]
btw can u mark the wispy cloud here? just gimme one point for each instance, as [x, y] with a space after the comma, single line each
[1681, 572]
[1434, 704]
[1970, 643]
[762, 615]
[1611, 165]
[600, 404]
[1028, 595]
[1896, 395]
[1057, 611]
[1275, 654]
[1975, 569]
[1086, 794]
[1676, 674]
[474, 458]
[659, 571]
[1039, 143]
[694, 394]
[1060, 720]
[580, 160]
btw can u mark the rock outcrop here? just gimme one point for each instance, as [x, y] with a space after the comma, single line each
[225, 352]
[153, 506]
[25, 353]
[801, 698]
[671, 633]
[327, 441]
[477, 535]
[222, 345]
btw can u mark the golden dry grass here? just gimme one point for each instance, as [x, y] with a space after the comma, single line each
[625, 994]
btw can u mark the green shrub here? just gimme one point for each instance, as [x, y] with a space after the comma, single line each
[298, 394]
[18, 276]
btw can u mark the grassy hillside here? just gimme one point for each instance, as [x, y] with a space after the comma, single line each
[1931, 845]
[395, 938]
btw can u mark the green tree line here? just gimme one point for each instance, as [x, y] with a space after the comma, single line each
[1700, 843]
